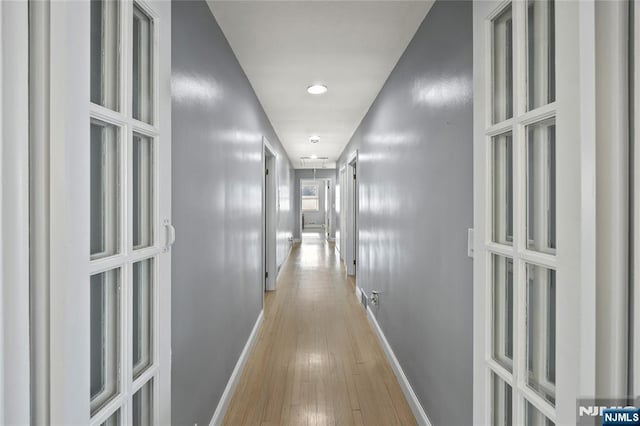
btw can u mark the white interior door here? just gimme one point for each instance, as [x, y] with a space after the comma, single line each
[351, 255]
[529, 211]
[271, 200]
[130, 211]
[110, 212]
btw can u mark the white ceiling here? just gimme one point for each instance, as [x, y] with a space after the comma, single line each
[350, 46]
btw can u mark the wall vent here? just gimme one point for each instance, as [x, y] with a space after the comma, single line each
[363, 299]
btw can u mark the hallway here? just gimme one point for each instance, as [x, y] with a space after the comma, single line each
[317, 360]
[191, 187]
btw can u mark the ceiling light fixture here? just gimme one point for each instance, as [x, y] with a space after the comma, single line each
[314, 157]
[317, 89]
[314, 139]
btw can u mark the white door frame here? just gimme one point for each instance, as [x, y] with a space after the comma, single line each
[575, 213]
[269, 216]
[342, 212]
[338, 208]
[635, 176]
[61, 265]
[328, 208]
[351, 251]
[14, 214]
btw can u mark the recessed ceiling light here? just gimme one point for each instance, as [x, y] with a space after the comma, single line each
[314, 157]
[317, 89]
[314, 139]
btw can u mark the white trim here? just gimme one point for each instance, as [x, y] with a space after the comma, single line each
[297, 240]
[636, 200]
[358, 294]
[612, 195]
[270, 213]
[409, 394]
[14, 215]
[225, 399]
[68, 133]
[343, 207]
[39, 206]
[352, 208]
[279, 269]
[352, 157]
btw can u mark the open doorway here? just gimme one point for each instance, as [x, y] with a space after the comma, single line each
[269, 215]
[315, 209]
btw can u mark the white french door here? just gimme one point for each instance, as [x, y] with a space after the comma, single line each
[130, 231]
[110, 211]
[529, 211]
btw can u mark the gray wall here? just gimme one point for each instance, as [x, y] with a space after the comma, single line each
[304, 174]
[218, 126]
[416, 203]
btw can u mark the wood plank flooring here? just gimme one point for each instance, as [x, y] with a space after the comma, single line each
[317, 360]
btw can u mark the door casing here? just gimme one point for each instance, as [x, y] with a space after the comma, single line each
[14, 214]
[270, 216]
[351, 249]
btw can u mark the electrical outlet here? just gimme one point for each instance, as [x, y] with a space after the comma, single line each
[375, 298]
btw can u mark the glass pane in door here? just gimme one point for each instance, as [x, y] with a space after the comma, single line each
[113, 420]
[104, 337]
[502, 170]
[502, 317]
[142, 315]
[502, 66]
[105, 47]
[104, 189]
[502, 413]
[533, 417]
[143, 174]
[541, 72]
[143, 405]
[142, 65]
[541, 331]
[541, 186]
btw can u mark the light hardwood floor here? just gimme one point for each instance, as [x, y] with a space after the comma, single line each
[317, 360]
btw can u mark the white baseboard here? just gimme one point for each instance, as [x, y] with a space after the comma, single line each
[297, 240]
[223, 404]
[412, 399]
[285, 259]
